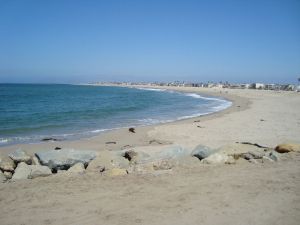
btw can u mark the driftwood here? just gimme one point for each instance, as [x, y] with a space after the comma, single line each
[110, 142]
[254, 144]
[51, 139]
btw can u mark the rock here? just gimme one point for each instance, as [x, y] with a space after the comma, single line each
[150, 154]
[267, 159]
[20, 156]
[77, 168]
[230, 160]
[7, 164]
[247, 156]
[39, 171]
[285, 148]
[274, 156]
[169, 152]
[141, 168]
[7, 174]
[61, 172]
[257, 154]
[24, 171]
[107, 160]
[65, 158]
[130, 155]
[163, 165]
[136, 157]
[202, 152]
[215, 158]
[35, 161]
[254, 161]
[186, 162]
[2, 177]
[116, 172]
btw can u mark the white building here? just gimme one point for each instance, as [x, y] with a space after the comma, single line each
[259, 86]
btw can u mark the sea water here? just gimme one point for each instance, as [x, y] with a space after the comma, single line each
[31, 112]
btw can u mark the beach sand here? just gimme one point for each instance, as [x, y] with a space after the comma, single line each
[192, 193]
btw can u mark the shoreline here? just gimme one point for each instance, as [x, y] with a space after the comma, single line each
[245, 104]
[143, 128]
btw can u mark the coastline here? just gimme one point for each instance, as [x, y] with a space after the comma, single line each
[242, 100]
[141, 139]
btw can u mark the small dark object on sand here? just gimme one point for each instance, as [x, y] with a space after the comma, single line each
[111, 142]
[155, 141]
[262, 120]
[102, 169]
[238, 106]
[130, 155]
[200, 127]
[131, 129]
[196, 121]
[57, 148]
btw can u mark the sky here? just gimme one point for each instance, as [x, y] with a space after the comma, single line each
[77, 41]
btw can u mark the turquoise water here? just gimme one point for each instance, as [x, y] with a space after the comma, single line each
[30, 112]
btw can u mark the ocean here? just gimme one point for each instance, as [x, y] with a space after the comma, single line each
[31, 112]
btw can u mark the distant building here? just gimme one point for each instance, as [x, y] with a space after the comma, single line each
[245, 86]
[257, 86]
[270, 87]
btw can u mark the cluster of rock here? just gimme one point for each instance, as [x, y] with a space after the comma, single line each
[19, 165]
[150, 159]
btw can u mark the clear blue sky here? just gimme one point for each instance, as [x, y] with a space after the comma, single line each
[80, 41]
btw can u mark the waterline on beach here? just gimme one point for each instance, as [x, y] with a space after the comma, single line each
[70, 112]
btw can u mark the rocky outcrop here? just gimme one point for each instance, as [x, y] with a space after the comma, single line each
[35, 161]
[107, 160]
[78, 168]
[20, 156]
[144, 168]
[39, 171]
[285, 148]
[136, 157]
[169, 152]
[202, 152]
[24, 171]
[163, 165]
[7, 164]
[216, 158]
[65, 158]
[2, 177]
[116, 172]
[7, 174]
[273, 155]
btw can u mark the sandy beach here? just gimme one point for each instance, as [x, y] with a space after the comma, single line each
[189, 193]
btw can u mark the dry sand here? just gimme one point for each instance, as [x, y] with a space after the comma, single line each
[192, 193]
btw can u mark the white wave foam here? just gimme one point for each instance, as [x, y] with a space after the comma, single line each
[3, 141]
[222, 106]
[151, 89]
[97, 131]
[194, 95]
